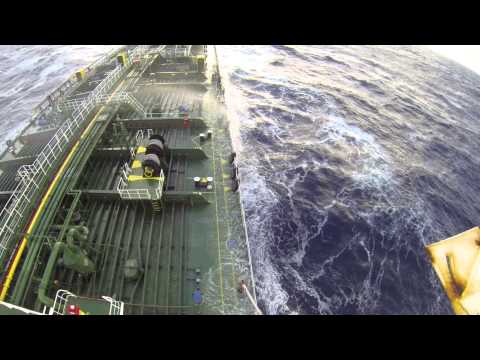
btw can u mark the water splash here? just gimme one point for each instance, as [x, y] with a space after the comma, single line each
[336, 146]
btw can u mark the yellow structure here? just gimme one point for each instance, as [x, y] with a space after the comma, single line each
[457, 263]
[200, 63]
[80, 74]
[122, 58]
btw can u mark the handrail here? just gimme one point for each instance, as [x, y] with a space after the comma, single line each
[173, 114]
[13, 211]
[173, 52]
[139, 194]
[26, 189]
[257, 309]
[67, 84]
[61, 91]
[116, 307]
[123, 97]
[61, 298]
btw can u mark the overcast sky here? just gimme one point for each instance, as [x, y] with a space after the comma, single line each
[467, 55]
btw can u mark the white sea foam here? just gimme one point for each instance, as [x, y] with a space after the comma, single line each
[372, 169]
[30, 73]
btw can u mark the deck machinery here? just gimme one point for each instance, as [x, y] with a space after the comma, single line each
[121, 196]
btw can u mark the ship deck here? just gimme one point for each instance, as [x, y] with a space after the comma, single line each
[196, 240]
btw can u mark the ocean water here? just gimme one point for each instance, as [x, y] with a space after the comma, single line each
[29, 73]
[352, 159]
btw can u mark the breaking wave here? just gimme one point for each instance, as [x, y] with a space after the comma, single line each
[353, 159]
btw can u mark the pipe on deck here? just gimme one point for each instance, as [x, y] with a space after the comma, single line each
[47, 274]
[11, 272]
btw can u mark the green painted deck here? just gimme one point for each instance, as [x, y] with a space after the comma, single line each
[196, 241]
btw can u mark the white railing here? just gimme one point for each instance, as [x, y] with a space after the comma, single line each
[121, 98]
[139, 137]
[13, 211]
[126, 170]
[138, 194]
[125, 97]
[32, 177]
[98, 94]
[183, 50]
[25, 172]
[100, 90]
[116, 307]
[61, 299]
[142, 134]
[62, 296]
[138, 51]
[153, 51]
[62, 90]
[59, 93]
[108, 82]
[105, 58]
[180, 50]
[172, 114]
[171, 52]
[73, 104]
[132, 194]
[132, 101]
[159, 190]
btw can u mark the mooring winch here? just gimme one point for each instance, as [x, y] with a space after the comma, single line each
[155, 158]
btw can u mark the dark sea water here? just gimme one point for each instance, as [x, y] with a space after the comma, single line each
[352, 159]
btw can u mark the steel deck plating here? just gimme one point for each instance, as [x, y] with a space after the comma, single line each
[188, 245]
